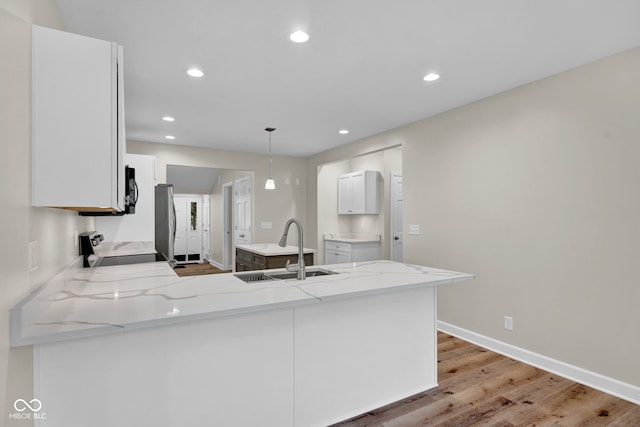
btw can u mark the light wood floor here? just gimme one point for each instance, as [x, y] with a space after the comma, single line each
[479, 387]
[195, 269]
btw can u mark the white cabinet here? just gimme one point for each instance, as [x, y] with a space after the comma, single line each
[78, 143]
[338, 252]
[358, 193]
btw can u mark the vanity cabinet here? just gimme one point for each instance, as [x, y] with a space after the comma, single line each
[358, 193]
[248, 261]
[78, 144]
[338, 252]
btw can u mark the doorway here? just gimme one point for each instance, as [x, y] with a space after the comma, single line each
[227, 202]
[243, 210]
[190, 226]
[218, 185]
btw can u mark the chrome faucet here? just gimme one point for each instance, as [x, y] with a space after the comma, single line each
[299, 267]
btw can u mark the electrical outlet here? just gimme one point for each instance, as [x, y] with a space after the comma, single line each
[414, 230]
[75, 238]
[266, 225]
[508, 323]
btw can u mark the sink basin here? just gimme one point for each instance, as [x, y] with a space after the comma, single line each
[293, 274]
[261, 276]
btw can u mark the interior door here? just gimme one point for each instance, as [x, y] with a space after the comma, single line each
[180, 244]
[396, 217]
[242, 195]
[227, 252]
[194, 228]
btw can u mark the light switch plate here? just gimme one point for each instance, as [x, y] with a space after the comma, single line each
[266, 225]
[508, 323]
[414, 230]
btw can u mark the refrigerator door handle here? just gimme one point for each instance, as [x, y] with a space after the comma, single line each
[175, 223]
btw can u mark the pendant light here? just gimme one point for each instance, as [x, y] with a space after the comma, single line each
[270, 184]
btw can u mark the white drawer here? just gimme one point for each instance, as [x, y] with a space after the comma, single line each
[330, 245]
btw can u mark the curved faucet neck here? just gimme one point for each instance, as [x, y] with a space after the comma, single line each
[299, 267]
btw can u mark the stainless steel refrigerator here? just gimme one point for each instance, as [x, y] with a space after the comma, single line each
[165, 222]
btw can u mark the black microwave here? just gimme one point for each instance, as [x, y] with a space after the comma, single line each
[130, 196]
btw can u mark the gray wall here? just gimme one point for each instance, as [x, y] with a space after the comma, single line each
[536, 191]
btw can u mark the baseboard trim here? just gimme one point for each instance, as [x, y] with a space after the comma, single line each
[591, 379]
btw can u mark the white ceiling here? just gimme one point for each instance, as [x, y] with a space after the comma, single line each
[361, 69]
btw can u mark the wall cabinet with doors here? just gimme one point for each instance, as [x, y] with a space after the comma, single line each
[78, 143]
[358, 193]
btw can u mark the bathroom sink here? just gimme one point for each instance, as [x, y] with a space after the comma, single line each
[261, 276]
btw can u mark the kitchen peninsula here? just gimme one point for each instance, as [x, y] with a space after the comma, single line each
[136, 345]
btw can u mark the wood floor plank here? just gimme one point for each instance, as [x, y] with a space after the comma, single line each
[480, 388]
[468, 399]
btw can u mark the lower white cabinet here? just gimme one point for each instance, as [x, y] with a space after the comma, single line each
[338, 252]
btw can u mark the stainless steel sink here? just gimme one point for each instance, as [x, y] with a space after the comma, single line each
[261, 276]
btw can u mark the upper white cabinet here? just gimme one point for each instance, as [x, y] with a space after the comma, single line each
[78, 143]
[358, 193]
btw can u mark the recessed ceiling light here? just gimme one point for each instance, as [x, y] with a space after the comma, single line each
[194, 72]
[299, 37]
[431, 77]
[168, 119]
[343, 131]
[169, 137]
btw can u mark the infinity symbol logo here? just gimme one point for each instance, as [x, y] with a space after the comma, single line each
[21, 405]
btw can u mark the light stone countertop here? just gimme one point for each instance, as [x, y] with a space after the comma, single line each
[351, 237]
[110, 249]
[84, 302]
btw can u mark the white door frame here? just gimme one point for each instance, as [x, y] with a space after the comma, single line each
[228, 245]
[393, 231]
[206, 227]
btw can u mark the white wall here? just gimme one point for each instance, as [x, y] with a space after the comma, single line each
[52, 229]
[288, 200]
[534, 190]
[329, 221]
